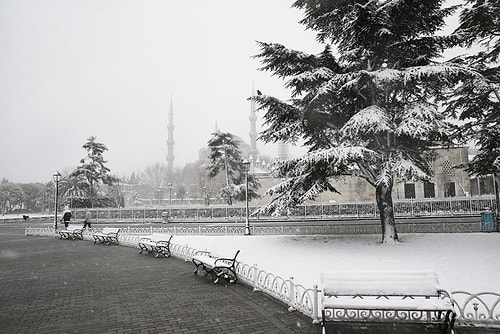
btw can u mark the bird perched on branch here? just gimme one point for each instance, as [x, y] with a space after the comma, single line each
[259, 92]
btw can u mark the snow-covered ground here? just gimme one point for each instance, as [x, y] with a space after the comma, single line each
[466, 262]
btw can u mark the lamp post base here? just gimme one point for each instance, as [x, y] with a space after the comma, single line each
[247, 230]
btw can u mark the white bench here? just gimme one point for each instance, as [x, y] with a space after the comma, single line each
[391, 296]
[108, 236]
[217, 266]
[74, 232]
[156, 243]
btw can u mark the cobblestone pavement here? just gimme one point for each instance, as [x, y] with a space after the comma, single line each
[49, 285]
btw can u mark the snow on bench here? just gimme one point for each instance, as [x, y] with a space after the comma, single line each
[217, 265]
[107, 236]
[74, 232]
[413, 296]
[156, 243]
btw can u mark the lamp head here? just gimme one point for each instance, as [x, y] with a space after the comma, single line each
[246, 165]
[56, 176]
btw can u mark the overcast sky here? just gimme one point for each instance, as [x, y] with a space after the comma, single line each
[71, 69]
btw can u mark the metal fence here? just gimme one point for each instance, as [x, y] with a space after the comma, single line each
[402, 208]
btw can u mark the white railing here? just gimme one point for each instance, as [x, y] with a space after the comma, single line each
[474, 309]
[477, 308]
[460, 206]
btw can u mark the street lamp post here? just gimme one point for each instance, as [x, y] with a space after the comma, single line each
[246, 168]
[57, 178]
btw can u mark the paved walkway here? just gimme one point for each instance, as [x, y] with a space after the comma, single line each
[49, 285]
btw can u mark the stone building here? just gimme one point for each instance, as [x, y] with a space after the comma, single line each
[449, 180]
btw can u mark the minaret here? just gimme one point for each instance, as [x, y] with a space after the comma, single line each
[170, 142]
[253, 128]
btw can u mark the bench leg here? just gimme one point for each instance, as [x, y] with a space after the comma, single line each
[228, 274]
[205, 269]
[451, 318]
[165, 251]
[197, 266]
[112, 240]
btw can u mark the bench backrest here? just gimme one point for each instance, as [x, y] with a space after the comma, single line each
[160, 237]
[225, 255]
[108, 230]
[235, 255]
[375, 283]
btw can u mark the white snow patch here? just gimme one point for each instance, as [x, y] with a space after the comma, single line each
[466, 262]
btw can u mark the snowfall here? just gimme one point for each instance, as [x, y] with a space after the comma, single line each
[463, 262]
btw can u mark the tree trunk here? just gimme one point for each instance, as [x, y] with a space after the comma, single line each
[386, 209]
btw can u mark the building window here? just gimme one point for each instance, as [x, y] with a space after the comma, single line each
[429, 190]
[409, 190]
[449, 189]
[448, 167]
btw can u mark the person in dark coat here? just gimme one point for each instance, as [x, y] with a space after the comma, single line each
[66, 217]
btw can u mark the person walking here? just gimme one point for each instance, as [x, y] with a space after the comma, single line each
[66, 216]
[87, 220]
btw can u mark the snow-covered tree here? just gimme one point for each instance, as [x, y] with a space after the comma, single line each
[93, 172]
[225, 157]
[477, 102]
[372, 112]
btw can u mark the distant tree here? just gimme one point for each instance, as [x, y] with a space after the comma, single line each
[33, 196]
[225, 158]
[181, 192]
[477, 102]
[48, 196]
[116, 191]
[93, 171]
[12, 197]
[73, 187]
[154, 177]
[372, 113]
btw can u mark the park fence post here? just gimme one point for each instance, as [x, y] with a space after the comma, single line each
[291, 295]
[255, 278]
[316, 292]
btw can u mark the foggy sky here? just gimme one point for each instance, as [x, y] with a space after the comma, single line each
[71, 69]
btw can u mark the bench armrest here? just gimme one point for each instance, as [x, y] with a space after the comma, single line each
[443, 292]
